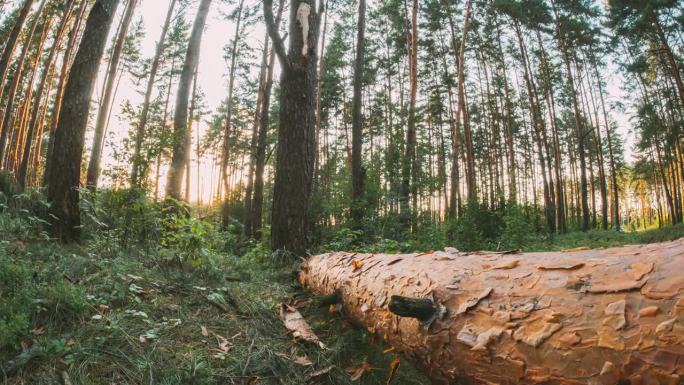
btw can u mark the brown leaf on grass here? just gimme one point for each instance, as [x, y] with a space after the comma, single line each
[355, 372]
[319, 373]
[299, 360]
[205, 332]
[143, 339]
[394, 366]
[295, 322]
[253, 381]
[223, 344]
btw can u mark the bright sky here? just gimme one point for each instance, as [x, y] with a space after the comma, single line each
[212, 78]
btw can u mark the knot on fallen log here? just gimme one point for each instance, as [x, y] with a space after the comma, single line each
[425, 310]
[330, 299]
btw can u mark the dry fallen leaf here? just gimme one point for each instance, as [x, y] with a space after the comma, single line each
[223, 343]
[295, 322]
[320, 372]
[356, 372]
[299, 360]
[205, 332]
[357, 264]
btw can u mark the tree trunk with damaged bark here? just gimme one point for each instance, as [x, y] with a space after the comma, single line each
[295, 156]
[580, 316]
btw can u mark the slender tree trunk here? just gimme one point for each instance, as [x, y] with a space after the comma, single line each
[249, 189]
[295, 156]
[228, 127]
[136, 178]
[462, 110]
[188, 139]
[264, 122]
[674, 68]
[319, 89]
[65, 164]
[16, 79]
[11, 44]
[409, 166]
[180, 122]
[358, 171]
[579, 128]
[537, 124]
[93, 173]
[24, 130]
[46, 75]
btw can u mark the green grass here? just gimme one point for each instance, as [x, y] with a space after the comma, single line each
[125, 297]
[605, 238]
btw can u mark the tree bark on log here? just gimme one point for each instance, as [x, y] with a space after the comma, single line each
[610, 316]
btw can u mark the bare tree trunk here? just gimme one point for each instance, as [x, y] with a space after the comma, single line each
[93, 173]
[21, 129]
[538, 126]
[16, 78]
[11, 43]
[358, 171]
[47, 75]
[319, 89]
[409, 159]
[461, 110]
[180, 121]
[228, 128]
[260, 153]
[248, 220]
[579, 128]
[144, 112]
[65, 165]
[67, 59]
[188, 139]
[578, 317]
[295, 156]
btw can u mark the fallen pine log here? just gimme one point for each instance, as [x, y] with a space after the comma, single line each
[611, 316]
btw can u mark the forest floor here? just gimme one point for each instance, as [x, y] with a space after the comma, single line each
[94, 314]
[123, 321]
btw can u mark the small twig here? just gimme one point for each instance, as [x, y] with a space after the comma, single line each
[249, 356]
[66, 380]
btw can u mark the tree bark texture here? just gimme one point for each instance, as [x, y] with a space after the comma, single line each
[180, 122]
[93, 173]
[43, 85]
[295, 154]
[144, 112]
[64, 165]
[610, 316]
[11, 42]
[358, 172]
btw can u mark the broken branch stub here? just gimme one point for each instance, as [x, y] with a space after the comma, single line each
[575, 317]
[421, 309]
